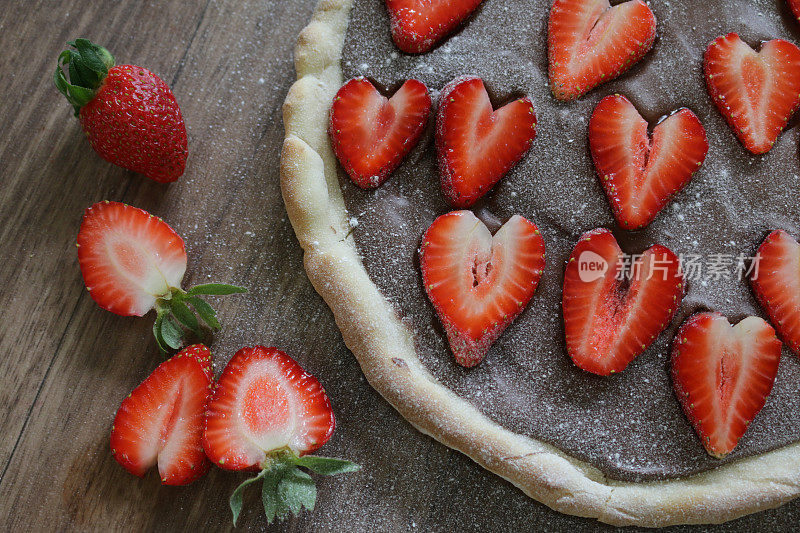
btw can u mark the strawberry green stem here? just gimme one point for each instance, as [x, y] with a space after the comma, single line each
[286, 489]
[87, 66]
[178, 310]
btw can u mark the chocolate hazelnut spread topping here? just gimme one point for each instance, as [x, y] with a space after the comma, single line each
[629, 425]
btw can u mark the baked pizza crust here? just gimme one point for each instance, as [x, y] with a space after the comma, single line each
[385, 349]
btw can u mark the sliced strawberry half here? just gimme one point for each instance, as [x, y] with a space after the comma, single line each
[590, 42]
[264, 401]
[477, 145]
[128, 257]
[612, 314]
[266, 414]
[641, 172]
[133, 262]
[477, 283]
[419, 25]
[722, 375]
[161, 421]
[371, 134]
[776, 281]
[757, 93]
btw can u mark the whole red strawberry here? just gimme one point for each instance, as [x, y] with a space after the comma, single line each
[128, 113]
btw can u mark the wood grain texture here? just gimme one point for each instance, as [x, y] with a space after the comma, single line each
[67, 364]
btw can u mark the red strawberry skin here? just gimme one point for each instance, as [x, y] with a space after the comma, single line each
[722, 375]
[478, 283]
[128, 257]
[476, 145]
[135, 122]
[590, 42]
[795, 6]
[641, 172]
[608, 322]
[419, 25]
[161, 421]
[776, 283]
[757, 93]
[372, 134]
[264, 402]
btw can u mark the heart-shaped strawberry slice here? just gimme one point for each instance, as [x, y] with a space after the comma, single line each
[590, 42]
[722, 375]
[775, 278]
[755, 92]
[371, 134]
[640, 172]
[477, 283]
[614, 305]
[418, 25]
[477, 145]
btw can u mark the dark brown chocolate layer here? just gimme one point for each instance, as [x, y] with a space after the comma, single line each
[629, 425]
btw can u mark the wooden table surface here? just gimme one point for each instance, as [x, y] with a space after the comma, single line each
[66, 364]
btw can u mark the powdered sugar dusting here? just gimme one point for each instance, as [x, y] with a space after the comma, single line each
[628, 425]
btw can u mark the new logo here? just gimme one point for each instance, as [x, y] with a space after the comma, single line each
[591, 266]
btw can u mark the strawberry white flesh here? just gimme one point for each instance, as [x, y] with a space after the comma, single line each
[641, 172]
[477, 145]
[479, 283]
[418, 25]
[723, 374]
[610, 320]
[371, 134]
[264, 402]
[776, 282]
[756, 92]
[161, 421]
[128, 257]
[590, 42]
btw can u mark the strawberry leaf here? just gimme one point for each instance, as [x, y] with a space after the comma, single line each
[87, 67]
[75, 75]
[205, 311]
[173, 313]
[79, 95]
[171, 333]
[296, 490]
[91, 56]
[185, 315]
[59, 79]
[235, 500]
[269, 493]
[287, 489]
[157, 332]
[269, 498]
[326, 466]
[89, 78]
[219, 289]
